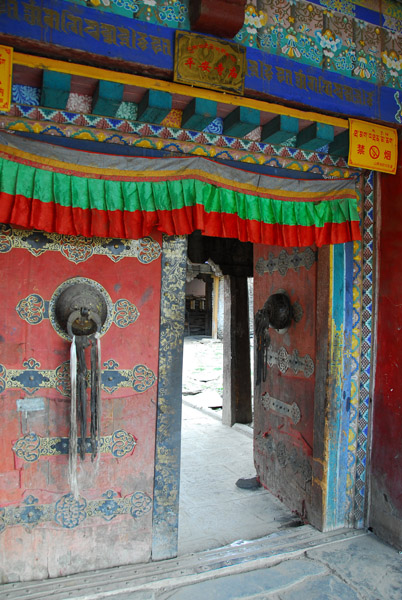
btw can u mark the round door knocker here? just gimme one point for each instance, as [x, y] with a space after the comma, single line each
[277, 313]
[279, 310]
[81, 309]
[89, 298]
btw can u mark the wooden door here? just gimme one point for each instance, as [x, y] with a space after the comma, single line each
[284, 399]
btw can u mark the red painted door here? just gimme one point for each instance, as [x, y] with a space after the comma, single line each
[284, 400]
[44, 531]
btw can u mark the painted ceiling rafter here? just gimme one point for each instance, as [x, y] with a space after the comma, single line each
[113, 95]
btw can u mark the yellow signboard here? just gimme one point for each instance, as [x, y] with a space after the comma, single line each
[209, 62]
[6, 70]
[372, 146]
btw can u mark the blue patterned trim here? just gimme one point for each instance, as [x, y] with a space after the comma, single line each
[31, 446]
[366, 351]
[32, 378]
[26, 94]
[216, 126]
[78, 249]
[69, 512]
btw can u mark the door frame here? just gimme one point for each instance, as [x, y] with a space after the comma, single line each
[339, 454]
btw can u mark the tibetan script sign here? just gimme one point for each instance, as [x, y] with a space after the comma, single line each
[208, 62]
[372, 146]
[6, 69]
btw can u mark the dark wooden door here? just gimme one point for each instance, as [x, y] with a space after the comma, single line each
[284, 401]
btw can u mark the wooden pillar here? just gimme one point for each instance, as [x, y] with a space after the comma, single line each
[215, 307]
[168, 423]
[236, 353]
[208, 306]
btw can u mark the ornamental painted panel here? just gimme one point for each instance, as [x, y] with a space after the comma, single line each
[116, 490]
[322, 53]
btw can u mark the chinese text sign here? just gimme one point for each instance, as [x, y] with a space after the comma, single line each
[372, 146]
[208, 62]
[6, 69]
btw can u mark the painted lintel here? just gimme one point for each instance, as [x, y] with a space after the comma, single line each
[50, 64]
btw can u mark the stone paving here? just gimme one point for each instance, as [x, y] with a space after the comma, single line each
[293, 564]
[213, 511]
[361, 568]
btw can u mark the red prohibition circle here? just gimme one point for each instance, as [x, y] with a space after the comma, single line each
[374, 152]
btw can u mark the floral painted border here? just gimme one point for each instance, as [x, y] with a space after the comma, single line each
[350, 37]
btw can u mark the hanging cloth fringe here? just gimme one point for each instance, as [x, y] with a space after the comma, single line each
[72, 462]
[70, 192]
[78, 412]
[95, 394]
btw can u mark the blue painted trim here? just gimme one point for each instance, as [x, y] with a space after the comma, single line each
[347, 386]
[79, 27]
[294, 81]
[335, 390]
[340, 379]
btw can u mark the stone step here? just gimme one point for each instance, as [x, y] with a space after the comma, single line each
[126, 582]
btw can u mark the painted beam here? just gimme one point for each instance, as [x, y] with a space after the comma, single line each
[340, 145]
[55, 89]
[107, 98]
[279, 130]
[198, 114]
[50, 64]
[315, 136]
[154, 106]
[241, 121]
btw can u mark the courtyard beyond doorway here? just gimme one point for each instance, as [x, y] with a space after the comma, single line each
[213, 510]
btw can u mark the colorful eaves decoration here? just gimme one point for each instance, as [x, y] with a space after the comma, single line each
[72, 192]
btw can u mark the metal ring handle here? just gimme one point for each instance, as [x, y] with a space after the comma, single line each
[76, 314]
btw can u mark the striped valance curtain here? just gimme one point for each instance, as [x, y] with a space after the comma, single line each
[73, 192]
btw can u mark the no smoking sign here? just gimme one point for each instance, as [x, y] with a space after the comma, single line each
[372, 146]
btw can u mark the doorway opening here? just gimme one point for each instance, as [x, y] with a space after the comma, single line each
[214, 511]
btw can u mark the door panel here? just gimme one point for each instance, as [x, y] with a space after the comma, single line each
[284, 402]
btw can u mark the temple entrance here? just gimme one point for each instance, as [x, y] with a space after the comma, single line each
[213, 510]
[298, 415]
[217, 394]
